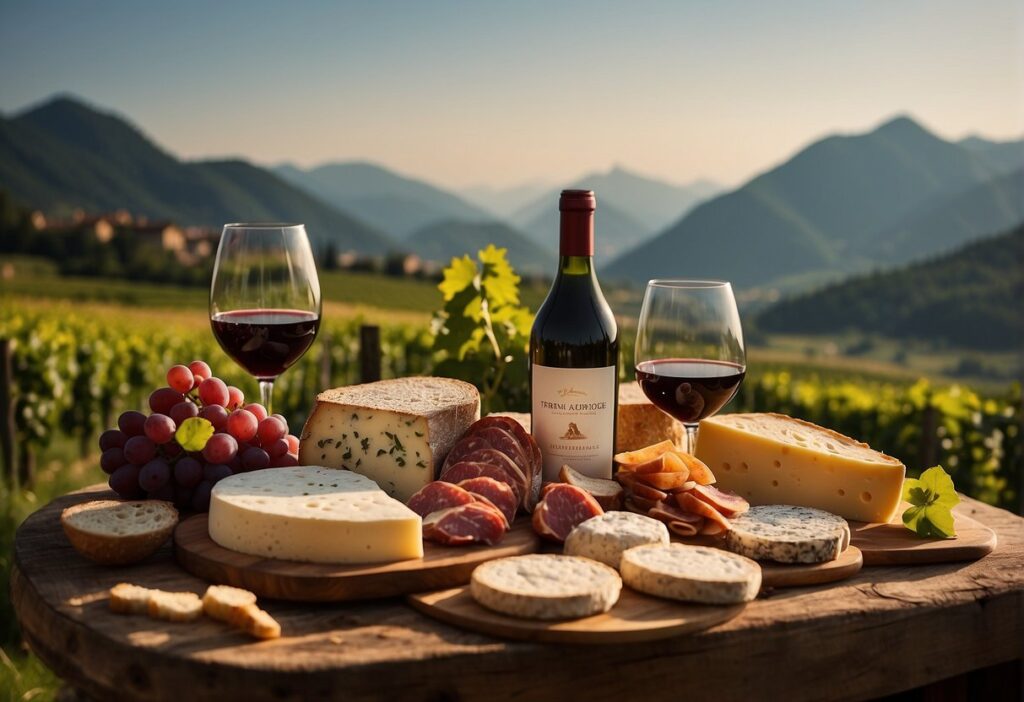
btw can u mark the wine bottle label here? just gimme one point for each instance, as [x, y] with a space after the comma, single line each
[573, 419]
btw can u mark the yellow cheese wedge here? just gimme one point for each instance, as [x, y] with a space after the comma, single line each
[775, 459]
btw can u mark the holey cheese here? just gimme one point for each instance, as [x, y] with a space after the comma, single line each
[395, 432]
[774, 459]
[312, 514]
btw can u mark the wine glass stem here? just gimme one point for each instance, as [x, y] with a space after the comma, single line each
[691, 438]
[266, 395]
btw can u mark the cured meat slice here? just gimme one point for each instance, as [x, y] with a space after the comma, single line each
[499, 459]
[665, 482]
[529, 444]
[438, 495]
[465, 446]
[498, 493]
[679, 521]
[504, 441]
[466, 470]
[561, 509]
[638, 489]
[716, 523]
[687, 528]
[728, 503]
[475, 522]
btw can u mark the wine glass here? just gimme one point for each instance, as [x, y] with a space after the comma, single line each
[265, 299]
[689, 353]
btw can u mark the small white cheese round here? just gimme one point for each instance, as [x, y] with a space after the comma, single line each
[546, 586]
[605, 537]
[691, 573]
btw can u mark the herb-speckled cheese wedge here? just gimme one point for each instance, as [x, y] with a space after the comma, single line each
[788, 534]
[546, 586]
[691, 573]
[605, 537]
[395, 432]
[312, 514]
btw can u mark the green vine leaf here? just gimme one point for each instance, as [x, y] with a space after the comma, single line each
[193, 433]
[932, 498]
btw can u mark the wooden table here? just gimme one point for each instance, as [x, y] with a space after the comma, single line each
[886, 630]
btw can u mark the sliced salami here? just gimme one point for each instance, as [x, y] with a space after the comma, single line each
[561, 509]
[475, 522]
[715, 524]
[498, 493]
[499, 459]
[466, 470]
[727, 503]
[504, 441]
[463, 447]
[438, 495]
[529, 445]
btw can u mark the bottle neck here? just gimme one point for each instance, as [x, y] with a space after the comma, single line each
[575, 265]
[576, 235]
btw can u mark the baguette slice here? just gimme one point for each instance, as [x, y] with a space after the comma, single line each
[174, 606]
[221, 601]
[608, 493]
[126, 598]
[255, 622]
[112, 532]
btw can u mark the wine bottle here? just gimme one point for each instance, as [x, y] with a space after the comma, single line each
[574, 354]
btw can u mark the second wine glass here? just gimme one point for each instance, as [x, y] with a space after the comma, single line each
[265, 299]
[689, 355]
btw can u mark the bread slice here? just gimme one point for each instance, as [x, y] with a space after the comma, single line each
[112, 532]
[126, 598]
[691, 573]
[255, 622]
[174, 606]
[641, 424]
[545, 586]
[220, 601]
[608, 493]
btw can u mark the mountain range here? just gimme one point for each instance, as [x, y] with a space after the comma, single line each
[65, 155]
[820, 210]
[969, 297]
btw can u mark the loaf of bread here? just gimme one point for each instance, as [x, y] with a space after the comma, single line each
[112, 532]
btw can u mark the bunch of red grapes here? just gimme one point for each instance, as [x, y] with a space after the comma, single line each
[144, 459]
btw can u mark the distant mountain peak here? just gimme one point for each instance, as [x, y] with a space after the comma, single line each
[901, 125]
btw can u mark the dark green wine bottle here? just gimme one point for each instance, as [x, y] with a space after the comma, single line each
[574, 354]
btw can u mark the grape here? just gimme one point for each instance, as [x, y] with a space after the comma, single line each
[236, 463]
[112, 438]
[159, 428]
[286, 461]
[162, 493]
[221, 448]
[255, 459]
[180, 378]
[183, 496]
[282, 419]
[112, 459]
[242, 425]
[125, 481]
[216, 415]
[201, 496]
[132, 423]
[184, 410]
[172, 449]
[200, 371]
[188, 472]
[256, 408]
[154, 475]
[139, 450]
[163, 399]
[214, 472]
[213, 391]
[293, 444]
[278, 448]
[270, 430]
[235, 397]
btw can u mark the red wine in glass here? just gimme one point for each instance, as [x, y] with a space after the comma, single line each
[689, 389]
[265, 342]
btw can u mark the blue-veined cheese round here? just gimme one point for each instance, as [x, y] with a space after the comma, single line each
[788, 534]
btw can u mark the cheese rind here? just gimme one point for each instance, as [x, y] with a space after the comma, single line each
[395, 432]
[774, 459]
[312, 514]
[788, 534]
[691, 573]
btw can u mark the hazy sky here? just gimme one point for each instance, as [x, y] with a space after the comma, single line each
[503, 92]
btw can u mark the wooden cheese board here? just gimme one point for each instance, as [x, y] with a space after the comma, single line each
[894, 544]
[634, 618]
[440, 567]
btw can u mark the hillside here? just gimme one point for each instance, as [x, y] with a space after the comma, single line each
[808, 214]
[993, 206]
[504, 202]
[443, 240]
[1003, 156]
[393, 203]
[64, 155]
[969, 298]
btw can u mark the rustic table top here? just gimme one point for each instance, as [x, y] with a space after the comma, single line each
[885, 630]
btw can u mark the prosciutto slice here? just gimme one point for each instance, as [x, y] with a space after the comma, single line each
[496, 492]
[438, 495]
[475, 522]
[563, 507]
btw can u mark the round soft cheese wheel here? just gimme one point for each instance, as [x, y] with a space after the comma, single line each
[546, 586]
[605, 537]
[788, 534]
[691, 573]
